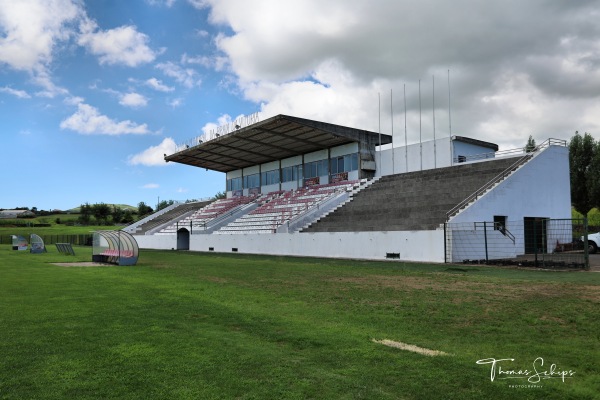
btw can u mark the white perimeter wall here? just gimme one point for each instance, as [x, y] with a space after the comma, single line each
[427, 155]
[158, 242]
[420, 246]
[541, 188]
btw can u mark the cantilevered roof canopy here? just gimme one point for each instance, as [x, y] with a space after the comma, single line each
[276, 138]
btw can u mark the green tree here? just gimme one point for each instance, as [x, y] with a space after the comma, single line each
[164, 204]
[117, 214]
[581, 154]
[220, 195]
[593, 177]
[144, 209]
[85, 214]
[530, 146]
[127, 217]
[101, 212]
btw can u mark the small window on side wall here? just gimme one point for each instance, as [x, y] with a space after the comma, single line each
[500, 223]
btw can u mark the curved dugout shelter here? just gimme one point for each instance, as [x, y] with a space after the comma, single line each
[115, 247]
[19, 242]
[37, 244]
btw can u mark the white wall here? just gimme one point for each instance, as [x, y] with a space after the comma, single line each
[421, 246]
[234, 174]
[423, 156]
[159, 242]
[315, 156]
[470, 149]
[541, 188]
[270, 166]
[290, 162]
[291, 185]
[425, 246]
[269, 188]
[344, 149]
[255, 169]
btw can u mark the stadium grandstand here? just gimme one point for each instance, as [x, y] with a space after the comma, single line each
[307, 188]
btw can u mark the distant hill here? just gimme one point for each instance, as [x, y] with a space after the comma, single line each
[124, 207]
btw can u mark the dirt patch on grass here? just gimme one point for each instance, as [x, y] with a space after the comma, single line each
[452, 284]
[410, 347]
[83, 264]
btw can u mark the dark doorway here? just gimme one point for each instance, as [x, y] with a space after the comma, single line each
[535, 235]
[183, 239]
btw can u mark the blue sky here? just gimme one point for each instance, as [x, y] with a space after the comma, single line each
[93, 93]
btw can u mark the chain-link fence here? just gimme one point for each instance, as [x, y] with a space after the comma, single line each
[535, 242]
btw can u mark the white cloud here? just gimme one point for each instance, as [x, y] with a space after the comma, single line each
[30, 33]
[74, 100]
[185, 76]
[121, 46]
[43, 79]
[154, 156]
[151, 186]
[168, 3]
[21, 94]
[157, 85]
[88, 120]
[174, 103]
[133, 100]
[516, 67]
[32, 28]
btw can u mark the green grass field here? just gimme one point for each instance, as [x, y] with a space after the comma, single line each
[209, 326]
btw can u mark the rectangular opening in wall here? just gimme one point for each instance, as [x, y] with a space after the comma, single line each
[234, 249]
[500, 223]
[211, 249]
[392, 256]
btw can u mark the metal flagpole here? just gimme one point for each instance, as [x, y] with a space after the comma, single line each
[379, 98]
[434, 144]
[405, 135]
[392, 117]
[420, 139]
[450, 122]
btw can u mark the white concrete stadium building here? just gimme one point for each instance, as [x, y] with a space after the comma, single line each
[300, 187]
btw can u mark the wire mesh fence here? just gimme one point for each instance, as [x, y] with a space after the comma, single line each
[535, 242]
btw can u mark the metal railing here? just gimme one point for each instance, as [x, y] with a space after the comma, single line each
[533, 242]
[222, 130]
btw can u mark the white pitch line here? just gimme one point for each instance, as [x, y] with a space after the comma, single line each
[410, 347]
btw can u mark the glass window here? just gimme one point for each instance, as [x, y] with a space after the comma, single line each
[234, 184]
[354, 162]
[270, 177]
[346, 163]
[251, 181]
[323, 170]
[315, 168]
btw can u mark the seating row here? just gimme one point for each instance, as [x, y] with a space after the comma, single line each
[283, 206]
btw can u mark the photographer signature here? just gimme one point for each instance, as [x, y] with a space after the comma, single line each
[534, 375]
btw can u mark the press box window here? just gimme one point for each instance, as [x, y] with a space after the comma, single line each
[234, 184]
[315, 168]
[290, 174]
[346, 163]
[251, 181]
[270, 177]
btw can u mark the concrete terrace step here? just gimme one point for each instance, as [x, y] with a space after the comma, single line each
[411, 201]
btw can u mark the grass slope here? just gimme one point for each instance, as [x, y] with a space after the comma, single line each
[187, 325]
